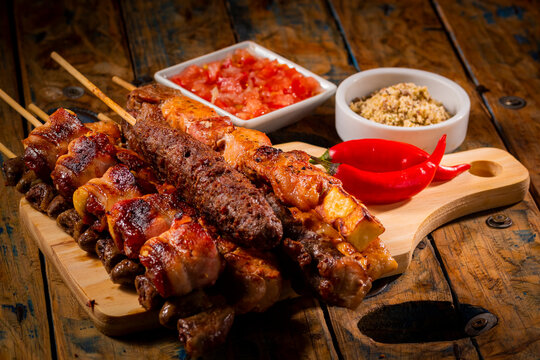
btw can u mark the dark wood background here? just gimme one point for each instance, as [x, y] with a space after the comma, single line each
[491, 48]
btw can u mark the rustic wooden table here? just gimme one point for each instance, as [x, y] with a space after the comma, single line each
[489, 48]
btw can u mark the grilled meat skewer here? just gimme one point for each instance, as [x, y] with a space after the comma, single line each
[220, 193]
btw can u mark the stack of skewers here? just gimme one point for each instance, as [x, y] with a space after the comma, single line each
[197, 214]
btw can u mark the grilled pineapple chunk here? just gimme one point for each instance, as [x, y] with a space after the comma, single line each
[350, 217]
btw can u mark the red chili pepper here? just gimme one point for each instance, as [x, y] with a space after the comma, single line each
[373, 187]
[380, 155]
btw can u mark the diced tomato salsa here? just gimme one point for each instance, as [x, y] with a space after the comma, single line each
[247, 86]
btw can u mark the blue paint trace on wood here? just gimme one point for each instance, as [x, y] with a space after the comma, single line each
[89, 345]
[488, 16]
[521, 39]
[181, 354]
[509, 11]
[2, 335]
[525, 235]
[19, 310]
[14, 251]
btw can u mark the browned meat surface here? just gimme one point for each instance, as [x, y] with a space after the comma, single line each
[224, 196]
[133, 221]
[108, 128]
[338, 278]
[13, 170]
[149, 298]
[88, 157]
[181, 307]
[58, 205]
[125, 272]
[204, 331]
[47, 143]
[108, 253]
[71, 223]
[87, 240]
[40, 196]
[251, 281]
[182, 259]
[94, 199]
[28, 179]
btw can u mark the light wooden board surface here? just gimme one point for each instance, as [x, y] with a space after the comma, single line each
[495, 179]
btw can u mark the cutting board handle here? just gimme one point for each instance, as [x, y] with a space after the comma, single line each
[495, 179]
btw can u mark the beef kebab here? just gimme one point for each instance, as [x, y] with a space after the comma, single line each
[157, 140]
[263, 273]
[338, 272]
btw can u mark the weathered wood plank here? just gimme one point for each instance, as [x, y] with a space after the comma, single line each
[186, 29]
[500, 41]
[24, 329]
[498, 269]
[410, 35]
[77, 337]
[423, 284]
[95, 45]
[92, 41]
[306, 33]
[297, 330]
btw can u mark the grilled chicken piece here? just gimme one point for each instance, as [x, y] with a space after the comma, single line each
[108, 128]
[88, 157]
[293, 179]
[332, 266]
[181, 259]
[251, 281]
[133, 221]
[98, 195]
[48, 142]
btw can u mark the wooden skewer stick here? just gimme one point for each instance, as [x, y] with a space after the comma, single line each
[40, 113]
[4, 150]
[93, 88]
[123, 83]
[31, 118]
[103, 117]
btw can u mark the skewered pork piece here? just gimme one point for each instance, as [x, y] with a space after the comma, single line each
[133, 221]
[181, 259]
[224, 196]
[94, 199]
[48, 142]
[335, 270]
[88, 157]
[292, 178]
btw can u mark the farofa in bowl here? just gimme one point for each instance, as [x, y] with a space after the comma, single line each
[403, 104]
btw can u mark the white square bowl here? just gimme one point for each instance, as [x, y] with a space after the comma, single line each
[267, 122]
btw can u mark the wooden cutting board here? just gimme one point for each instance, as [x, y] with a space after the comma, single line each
[495, 179]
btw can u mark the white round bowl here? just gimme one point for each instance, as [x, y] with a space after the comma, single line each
[350, 125]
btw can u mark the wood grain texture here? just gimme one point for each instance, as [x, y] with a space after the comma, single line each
[423, 281]
[496, 179]
[171, 32]
[306, 33]
[500, 43]
[116, 310]
[410, 35]
[498, 270]
[78, 337]
[24, 329]
[92, 41]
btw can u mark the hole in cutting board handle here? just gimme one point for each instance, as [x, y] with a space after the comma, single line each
[425, 321]
[485, 168]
